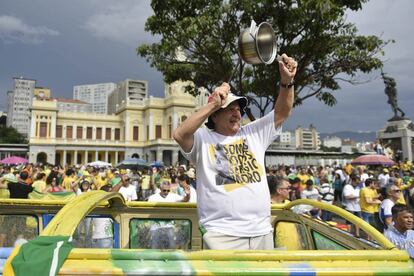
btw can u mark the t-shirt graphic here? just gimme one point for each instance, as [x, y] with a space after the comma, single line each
[236, 165]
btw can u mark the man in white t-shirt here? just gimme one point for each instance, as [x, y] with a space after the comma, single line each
[350, 200]
[164, 194]
[127, 190]
[232, 191]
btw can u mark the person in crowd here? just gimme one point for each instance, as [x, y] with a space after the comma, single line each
[294, 192]
[383, 181]
[313, 194]
[102, 228]
[155, 179]
[185, 183]
[326, 195]
[192, 176]
[385, 214]
[17, 187]
[55, 186]
[233, 195]
[350, 199]
[279, 188]
[303, 176]
[127, 190]
[70, 177]
[40, 183]
[164, 194]
[369, 200]
[84, 186]
[401, 233]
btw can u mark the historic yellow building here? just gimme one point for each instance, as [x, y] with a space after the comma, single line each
[144, 128]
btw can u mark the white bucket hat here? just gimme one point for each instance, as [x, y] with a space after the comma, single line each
[230, 98]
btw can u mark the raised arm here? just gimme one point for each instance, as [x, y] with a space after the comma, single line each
[284, 102]
[184, 134]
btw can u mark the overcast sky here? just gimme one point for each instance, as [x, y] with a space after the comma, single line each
[65, 43]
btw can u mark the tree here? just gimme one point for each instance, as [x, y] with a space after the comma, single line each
[314, 32]
[9, 135]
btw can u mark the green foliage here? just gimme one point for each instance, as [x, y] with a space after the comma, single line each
[9, 135]
[314, 32]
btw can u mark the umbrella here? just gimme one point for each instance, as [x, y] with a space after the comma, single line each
[100, 164]
[373, 159]
[133, 164]
[14, 160]
[157, 164]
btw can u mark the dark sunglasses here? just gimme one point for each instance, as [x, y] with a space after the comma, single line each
[165, 191]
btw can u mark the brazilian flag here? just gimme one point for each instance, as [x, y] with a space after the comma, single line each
[44, 255]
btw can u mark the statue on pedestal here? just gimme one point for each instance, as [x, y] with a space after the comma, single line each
[391, 92]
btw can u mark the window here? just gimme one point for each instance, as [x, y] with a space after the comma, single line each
[107, 133]
[160, 234]
[89, 133]
[13, 226]
[158, 132]
[98, 133]
[135, 134]
[117, 134]
[69, 132]
[58, 131]
[148, 133]
[79, 133]
[43, 129]
[325, 243]
[183, 118]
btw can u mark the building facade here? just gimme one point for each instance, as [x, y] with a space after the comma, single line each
[127, 92]
[143, 127]
[332, 142]
[19, 103]
[307, 138]
[95, 94]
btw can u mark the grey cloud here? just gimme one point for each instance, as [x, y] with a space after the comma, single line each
[13, 29]
[121, 23]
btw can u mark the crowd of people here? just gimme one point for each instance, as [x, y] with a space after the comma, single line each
[381, 196]
[367, 193]
[169, 184]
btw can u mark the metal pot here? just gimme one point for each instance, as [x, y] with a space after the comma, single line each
[258, 44]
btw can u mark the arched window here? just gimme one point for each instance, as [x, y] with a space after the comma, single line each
[169, 127]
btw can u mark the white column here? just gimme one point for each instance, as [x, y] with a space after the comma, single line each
[64, 157]
[158, 154]
[106, 156]
[33, 126]
[75, 157]
[96, 156]
[406, 148]
[86, 157]
[116, 157]
[174, 157]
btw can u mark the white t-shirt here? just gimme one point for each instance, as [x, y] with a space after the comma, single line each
[326, 193]
[129, 193]
[385, 209]
[102, 228]
[232, 191]
[171, 197]
[351, 204]
[310, 194]
[383, 180]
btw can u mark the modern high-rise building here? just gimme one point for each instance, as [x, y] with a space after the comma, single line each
[307, 138]
[95, 94]
[19, 104]
[128, 92]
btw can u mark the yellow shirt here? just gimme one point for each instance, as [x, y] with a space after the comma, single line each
[67, 181]
[365, 206]
[39, 186]
[303, 178]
